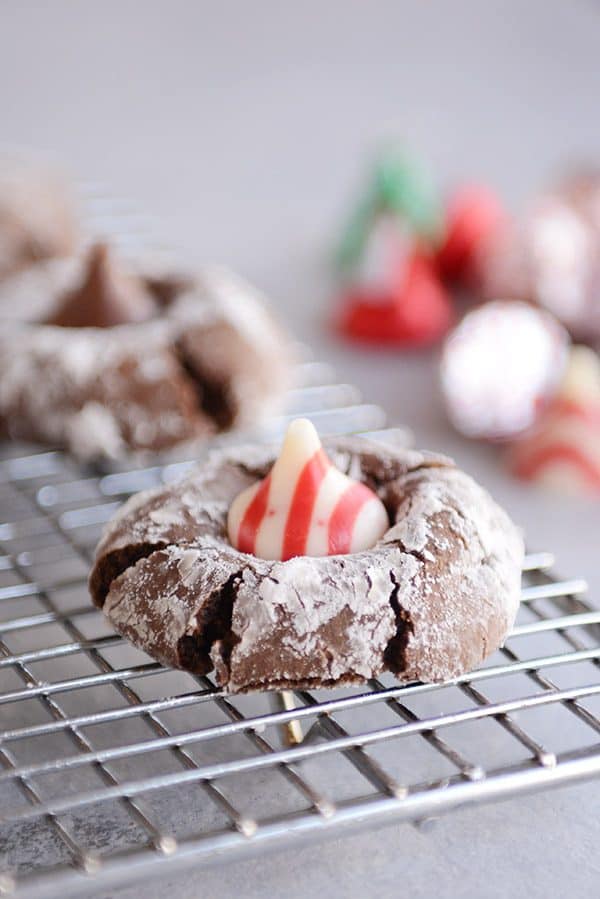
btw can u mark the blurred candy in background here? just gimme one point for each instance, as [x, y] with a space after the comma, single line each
[562, 450]
[390, 292]
[552, 255]
[409, 262]
[474, 217]
[500, 367]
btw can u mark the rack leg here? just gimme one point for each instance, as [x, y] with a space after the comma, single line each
[291, 731]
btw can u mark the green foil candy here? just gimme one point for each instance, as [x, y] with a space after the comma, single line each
[401, 188]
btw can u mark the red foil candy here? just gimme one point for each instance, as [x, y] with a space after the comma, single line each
[474, 216]
[415, 311]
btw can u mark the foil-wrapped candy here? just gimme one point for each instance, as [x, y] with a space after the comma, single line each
[552, 256]
[500, 366]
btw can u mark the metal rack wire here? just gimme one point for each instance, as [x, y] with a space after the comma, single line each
[113, 767]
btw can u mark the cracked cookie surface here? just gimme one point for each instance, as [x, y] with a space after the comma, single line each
[212, 358]
[435, 596]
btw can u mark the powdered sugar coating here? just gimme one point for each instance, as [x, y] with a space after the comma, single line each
[104, 392]
[434, 597]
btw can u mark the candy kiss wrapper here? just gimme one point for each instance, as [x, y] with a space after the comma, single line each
[400, 189]
[500, 367]
[474, 216]
[414, 310]
[391, 292]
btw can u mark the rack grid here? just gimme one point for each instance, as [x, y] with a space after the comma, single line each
[113, 766]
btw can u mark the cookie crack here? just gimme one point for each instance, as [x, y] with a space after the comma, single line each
[395, 652]
[213, 394]
[115, 563]
[415, 553]
[212, 632]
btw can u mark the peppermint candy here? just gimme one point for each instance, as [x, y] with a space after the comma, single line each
[305, 506]
[500, 367]
[563, 450]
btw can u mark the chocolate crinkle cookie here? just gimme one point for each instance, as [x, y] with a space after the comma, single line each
[429, 601]
[107, 362]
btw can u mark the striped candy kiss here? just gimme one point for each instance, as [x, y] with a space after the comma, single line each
[563, 450]
[305, 506]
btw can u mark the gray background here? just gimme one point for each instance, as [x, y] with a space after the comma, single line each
[245, 127]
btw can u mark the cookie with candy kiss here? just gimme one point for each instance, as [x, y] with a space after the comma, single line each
[106, 297]
[427, 602]
[305, 506]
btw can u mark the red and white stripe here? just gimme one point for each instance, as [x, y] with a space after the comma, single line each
[563, 450]
[305, 506]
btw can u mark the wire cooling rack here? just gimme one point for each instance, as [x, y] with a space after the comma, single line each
[113, 767]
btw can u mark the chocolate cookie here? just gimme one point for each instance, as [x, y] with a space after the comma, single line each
[434, 596]
[113, 363]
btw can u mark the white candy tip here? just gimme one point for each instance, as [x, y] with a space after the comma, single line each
[301, 432]
[301, 426]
